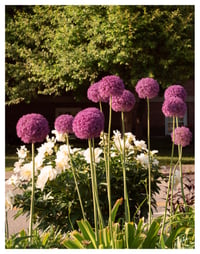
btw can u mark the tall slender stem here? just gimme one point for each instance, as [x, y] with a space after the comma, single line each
[180, 166]
[7, 228]
[123, 159]
[32, 194]
[75, 180]
[104, 146]
[93, 190]
[169, 180]
[108, 173]
[181, 174]
[149, 158]
[101, 223]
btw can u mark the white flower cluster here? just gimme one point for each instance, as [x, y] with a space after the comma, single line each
[135, 148]
[53, 158]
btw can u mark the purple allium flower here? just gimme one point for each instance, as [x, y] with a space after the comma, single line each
[182, 136]
[88, 123]
[174, 106]
[124, 102]
[32, 128]
[111, 85]
[147, 88]
[63, 123]
[94, 95]
[175, 91]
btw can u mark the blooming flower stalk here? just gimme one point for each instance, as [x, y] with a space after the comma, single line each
[175, 91]
[88, 123]
[94, 95]
[147, 88]
[63, 124]
[174, 106]
[32, 128]
[111, 85]
[124, 102]
[182, 136]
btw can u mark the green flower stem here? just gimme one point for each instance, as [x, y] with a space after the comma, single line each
[101, 223]
[123, 160]
[75, 180]
[149, 158]
[180, 148]
[104, 146]
[93, 190]
[32, 194]
[169, 180]
[108, 173]
[6, 225]
[181, 174]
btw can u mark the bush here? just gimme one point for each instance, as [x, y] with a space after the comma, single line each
[56, 200]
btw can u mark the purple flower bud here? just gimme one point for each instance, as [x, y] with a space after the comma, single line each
[175, 91]
[32, 128]
[88, 123]
[94, 95]
[147, 88]
[111, 85]
[182, 136]
[63, 123]
[174, 106]
[123, 103]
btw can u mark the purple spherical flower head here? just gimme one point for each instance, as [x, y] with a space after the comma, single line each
[111, 85]
[88, 123]
[175, 91]
[124, 102]
[182, 136]
[147, 88]
[174, 106]
[94, 95]
[63, 123]
[32, 128]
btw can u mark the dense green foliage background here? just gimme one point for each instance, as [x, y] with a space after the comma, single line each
[54, 49]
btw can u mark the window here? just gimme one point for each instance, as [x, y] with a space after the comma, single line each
[66, 110]
[169, 123]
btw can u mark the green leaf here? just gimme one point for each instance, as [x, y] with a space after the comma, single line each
[87, 232]
[152, 236]
[115, 208]
[173, 235]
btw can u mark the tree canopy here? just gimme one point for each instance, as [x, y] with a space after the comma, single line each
[54, 49]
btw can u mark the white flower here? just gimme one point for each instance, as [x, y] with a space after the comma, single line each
[46, 173]
[155, 162]
[22, 152]
[143, 159]
[9, 200]
[17, 165]
[140, 144]
[48, 196]
[61, 137]
[154, 152]
[26, 171]
[46, 148]
[97, 153]
[130, 138]
[62, 159]
[13, 180]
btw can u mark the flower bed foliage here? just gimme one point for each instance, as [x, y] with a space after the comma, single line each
[98, 197]
[55, 195]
